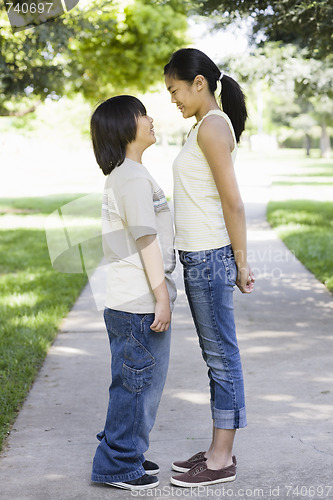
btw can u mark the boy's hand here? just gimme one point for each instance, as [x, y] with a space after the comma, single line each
[153, 263]
[162, 317]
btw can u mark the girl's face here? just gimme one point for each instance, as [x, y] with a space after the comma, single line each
[184, 94]
[145, 135]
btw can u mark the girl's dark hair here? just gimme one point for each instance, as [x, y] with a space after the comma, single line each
[113, 125]
[186, 64]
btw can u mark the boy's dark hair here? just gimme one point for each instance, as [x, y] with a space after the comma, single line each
[186, 64]
[113, 125]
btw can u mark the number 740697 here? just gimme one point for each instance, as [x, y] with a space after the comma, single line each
[31, 8]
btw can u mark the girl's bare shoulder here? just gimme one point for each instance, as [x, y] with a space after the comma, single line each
[215, 128]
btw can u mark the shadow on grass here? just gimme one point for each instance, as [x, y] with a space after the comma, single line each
[41, 205]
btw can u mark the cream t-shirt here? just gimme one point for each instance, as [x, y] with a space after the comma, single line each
[134, 206]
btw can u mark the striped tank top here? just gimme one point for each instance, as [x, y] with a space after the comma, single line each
[199, 220]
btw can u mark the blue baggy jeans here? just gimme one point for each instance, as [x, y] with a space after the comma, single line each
[210, 277]
[139, 364]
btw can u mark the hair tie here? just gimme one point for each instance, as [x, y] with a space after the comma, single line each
[221, 75]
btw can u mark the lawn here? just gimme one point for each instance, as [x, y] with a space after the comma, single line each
[306, 225]
[34, 298]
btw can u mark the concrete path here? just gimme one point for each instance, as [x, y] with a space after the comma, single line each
[286, 339]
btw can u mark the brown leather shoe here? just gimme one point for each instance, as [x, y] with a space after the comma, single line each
[199, 475]
[186, 465]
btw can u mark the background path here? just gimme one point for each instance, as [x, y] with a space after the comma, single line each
[286, 340]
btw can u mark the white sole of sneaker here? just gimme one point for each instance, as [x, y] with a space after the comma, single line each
[176, 482]
[152, 472]
[132, 487]
[179, 469]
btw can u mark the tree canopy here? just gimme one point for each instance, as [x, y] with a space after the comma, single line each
[300, 86]
[303, 22]
[96, 49]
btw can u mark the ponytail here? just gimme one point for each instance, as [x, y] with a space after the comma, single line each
[233, 104]
[186, 64]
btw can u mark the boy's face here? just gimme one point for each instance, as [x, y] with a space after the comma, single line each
[145, 135]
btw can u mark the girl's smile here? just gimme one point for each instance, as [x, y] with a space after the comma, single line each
[183, 95]
[190, 96]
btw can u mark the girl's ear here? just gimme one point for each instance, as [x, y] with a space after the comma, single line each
[199, 82]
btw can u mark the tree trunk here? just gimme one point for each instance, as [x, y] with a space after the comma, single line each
[325, 143]
[307, 144]
[260, 109]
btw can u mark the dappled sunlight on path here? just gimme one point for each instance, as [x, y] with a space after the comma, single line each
[286, 340]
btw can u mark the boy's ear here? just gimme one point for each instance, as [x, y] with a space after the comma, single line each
[199, 82]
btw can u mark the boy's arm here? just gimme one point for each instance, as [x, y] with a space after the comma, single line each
[153, 263]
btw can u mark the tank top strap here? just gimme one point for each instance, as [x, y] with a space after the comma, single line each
[225, 116]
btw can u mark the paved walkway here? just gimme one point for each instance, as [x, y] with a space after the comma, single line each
[286, 340]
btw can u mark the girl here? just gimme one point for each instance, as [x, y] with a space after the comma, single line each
[211, 240]
[138, 244]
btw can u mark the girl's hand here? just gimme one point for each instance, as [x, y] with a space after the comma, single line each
[245, 279]
[162, 317]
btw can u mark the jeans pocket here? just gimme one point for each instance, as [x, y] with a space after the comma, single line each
[192, 258]
[138, 366]
[230, 268]
[118, 323]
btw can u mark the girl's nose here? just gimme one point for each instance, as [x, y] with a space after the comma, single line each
[173, 100]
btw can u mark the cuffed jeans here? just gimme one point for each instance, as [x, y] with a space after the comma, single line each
[210, 277]
[139, 365]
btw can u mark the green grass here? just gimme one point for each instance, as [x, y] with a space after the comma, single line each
[306, 227]
[34, 298]
[41, 206]
[301, 183]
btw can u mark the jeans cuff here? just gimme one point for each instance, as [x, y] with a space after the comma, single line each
[228, 419]
[119, 478]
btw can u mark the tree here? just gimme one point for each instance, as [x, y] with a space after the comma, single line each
[305, 83]
[125, 48]
[303, 22]
[32, 65]
[97, 49]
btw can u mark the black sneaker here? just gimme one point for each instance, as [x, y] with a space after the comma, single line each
[142, 483]
[150, 467]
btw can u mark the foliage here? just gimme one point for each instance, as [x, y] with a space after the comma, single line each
[301, 92]
[34, 299]
[32, 63]
[96, 49]
[124, 49]
[305, 23]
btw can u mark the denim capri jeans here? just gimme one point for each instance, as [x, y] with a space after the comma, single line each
[210, 278]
